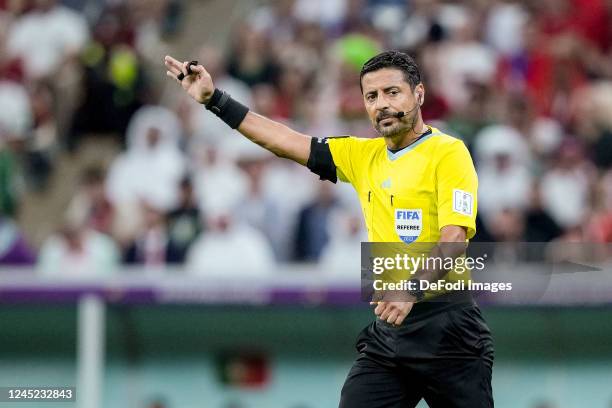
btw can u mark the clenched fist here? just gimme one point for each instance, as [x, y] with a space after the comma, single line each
[197, 83]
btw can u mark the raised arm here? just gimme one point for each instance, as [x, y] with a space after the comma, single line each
[273, 136]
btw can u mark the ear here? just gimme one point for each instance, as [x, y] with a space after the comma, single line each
[419, 94]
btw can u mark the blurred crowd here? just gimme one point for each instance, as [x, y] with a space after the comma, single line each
[526, 85]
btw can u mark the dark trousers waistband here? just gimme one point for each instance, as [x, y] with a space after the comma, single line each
[445, 301]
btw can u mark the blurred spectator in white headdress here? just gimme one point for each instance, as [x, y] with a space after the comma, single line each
[47, 37]
[230, 247]
[217, 180]
[150, 169]
[15, 109]
[461, 58]
[497, 138]
[504, 20]
[78, 250]
[502, 158]
[567, 185]
[346, 232]
[229, 244]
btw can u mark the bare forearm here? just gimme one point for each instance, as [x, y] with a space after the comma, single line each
[276, 137]
[452, 244]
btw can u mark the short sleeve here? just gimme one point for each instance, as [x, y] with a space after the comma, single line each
[341, 148]
[457, 187]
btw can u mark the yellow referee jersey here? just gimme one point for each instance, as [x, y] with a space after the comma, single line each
[409, 195]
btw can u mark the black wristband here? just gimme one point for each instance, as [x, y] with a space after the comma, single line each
[228, 109]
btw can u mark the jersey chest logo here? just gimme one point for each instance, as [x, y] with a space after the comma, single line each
[408, 224]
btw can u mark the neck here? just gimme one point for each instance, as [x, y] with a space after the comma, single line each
[401, 140]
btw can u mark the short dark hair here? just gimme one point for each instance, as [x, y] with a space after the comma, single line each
[393, 59]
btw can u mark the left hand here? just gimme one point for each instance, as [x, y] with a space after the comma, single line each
[392, 312]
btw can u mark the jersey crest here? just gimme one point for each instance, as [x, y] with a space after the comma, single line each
[408, 224]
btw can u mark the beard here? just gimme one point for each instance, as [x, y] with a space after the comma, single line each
[394, 129]
[400, 126]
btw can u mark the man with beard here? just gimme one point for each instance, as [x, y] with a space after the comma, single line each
[415, 184]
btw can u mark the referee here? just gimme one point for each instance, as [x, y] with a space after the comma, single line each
[439, 350]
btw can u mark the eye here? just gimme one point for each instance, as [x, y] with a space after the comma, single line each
[394, 92]
[370, 97]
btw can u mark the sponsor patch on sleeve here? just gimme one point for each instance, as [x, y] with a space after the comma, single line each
[463, 202]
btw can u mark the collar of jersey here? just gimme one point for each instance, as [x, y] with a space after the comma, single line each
[394, 156]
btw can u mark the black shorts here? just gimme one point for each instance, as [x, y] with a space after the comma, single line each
[442, 353]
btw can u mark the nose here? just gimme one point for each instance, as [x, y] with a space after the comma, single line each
[381, 103]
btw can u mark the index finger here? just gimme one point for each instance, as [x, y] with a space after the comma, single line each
[173, 62]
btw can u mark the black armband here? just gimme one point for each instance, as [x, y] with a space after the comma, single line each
[228, 109]
[321, 161]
